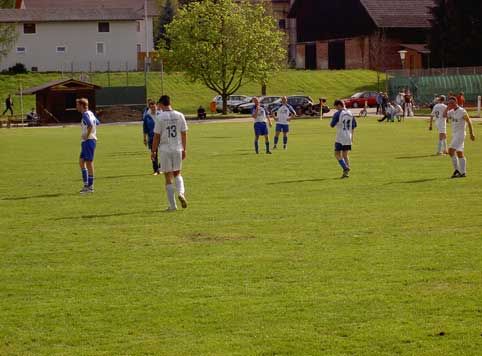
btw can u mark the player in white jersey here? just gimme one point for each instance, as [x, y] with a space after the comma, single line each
[170, 138]
[439, 112]
[283, 116]
[89, 142]
[460, 120]
[345, 124]
[261, 122]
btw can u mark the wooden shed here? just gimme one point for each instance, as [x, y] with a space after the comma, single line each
[56, 100]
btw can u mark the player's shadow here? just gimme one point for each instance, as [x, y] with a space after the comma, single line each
[304, 181]
[415, 181]
[414, 157]
[123, 176]
[40, 196]
[102, 216]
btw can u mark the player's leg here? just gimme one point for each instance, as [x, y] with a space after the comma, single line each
[178, 179]
[462, 164]
[455, 162]
[84, 172]
[276, 136]
[443, 138]
[285, 136]
[256, 143]
[340, 159]
[346, 158]
[170, 191]
[266, 142]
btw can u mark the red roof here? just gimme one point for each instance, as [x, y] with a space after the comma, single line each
[399, 13]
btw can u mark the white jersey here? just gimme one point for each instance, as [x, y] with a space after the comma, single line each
[457, 117]
[170, 125]
[345, 123]
[283, 114]
[89, 120]
[262, 115]
[438, 113]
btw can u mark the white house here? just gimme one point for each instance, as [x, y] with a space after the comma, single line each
[92, 36]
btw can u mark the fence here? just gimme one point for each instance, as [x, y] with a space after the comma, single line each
[427, 83]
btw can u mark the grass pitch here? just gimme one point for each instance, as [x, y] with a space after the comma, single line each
[274, 256]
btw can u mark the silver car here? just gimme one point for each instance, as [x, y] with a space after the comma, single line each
[233, 102]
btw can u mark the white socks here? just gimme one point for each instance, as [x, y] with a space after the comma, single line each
[455, 162]
[171, 196]
[463, 165]
[179, 184]
[444, 145]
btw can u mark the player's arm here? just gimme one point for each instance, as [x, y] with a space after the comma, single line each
[335, 119]
[89, 127]
[471, 128]
[145, 130]
[184, 143]
[156, 140]
[431, 121]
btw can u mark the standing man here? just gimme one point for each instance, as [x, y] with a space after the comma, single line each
[88, 145]
[460, 121]
[283, 116]
[170, 139]
[148, 124]
[8, 105]
[345, 124]
[439, 113]
[261, 121]
[379, 99]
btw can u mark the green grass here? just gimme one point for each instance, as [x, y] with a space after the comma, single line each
[275, 254]
[188, 96]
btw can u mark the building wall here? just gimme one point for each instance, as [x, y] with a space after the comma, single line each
[141, 35]
[300, 56]
[322, 54]
[80, 39]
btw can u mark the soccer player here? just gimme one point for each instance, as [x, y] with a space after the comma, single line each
[149, 121]
[460, 120]
[345, 124]
[89, 142]
[261, 121]
[283, 116]
[439, 113]
[170, 139]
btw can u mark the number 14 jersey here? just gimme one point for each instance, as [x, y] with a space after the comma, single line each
[169, 125]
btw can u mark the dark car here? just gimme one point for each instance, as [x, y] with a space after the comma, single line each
[301, 103]
[265, 101]
[358, 100]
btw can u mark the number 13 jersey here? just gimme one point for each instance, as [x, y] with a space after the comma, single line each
[170, 124]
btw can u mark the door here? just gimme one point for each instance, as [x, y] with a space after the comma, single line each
[336, 55]
[310, 56]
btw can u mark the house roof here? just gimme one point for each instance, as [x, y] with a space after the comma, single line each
[136, 5]
[420, 48]
[60, 84]
[399, 13]
[391, 13]
[64, 14]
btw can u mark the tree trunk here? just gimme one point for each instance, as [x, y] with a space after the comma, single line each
[263, 89]
[225, 104]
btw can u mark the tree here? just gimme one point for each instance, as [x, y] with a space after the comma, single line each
[456, 33]
[224, 44]
[8, 34]
[168, 10]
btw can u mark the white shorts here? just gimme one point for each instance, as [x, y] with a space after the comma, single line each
[170, 161]
[458, 143]
[442, 129]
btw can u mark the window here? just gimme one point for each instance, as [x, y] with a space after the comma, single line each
[282, 24]
[29, 28]
[34, 69]
[104, 27]
[100, 48]
[21, 50]
[61, 49]
[138, 26]
[139, 48]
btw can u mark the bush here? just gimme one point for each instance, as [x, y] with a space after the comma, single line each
[18, 68]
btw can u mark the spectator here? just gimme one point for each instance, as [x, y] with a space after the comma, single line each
[8, 105]
[407, 104]
[379, 103]
[201, 113]
[32, 118]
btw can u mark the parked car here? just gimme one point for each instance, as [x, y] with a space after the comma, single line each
[233, 102]
[265, 101]
[358, 100]
[301, 103]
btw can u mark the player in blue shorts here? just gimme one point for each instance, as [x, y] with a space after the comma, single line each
[345, 124]
[89, 141]
[283, 116]
[261, 121]
[148, 124]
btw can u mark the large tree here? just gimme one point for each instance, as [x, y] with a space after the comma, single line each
[456, 34]
[225, 44]
[7, 32]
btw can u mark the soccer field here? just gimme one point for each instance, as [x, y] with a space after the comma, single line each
[274, 256]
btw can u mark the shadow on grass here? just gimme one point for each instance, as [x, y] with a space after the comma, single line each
[416, 181]
[304, 181]
[414, 157]
[122, 154]
[101, 216]
[40, 196]
[124, 176]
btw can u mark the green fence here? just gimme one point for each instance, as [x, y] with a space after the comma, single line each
[424, 88]
[126, 96]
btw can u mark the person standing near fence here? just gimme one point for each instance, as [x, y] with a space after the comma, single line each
[148, 124]
[8, 105]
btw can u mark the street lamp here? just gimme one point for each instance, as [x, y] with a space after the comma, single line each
[403, 55]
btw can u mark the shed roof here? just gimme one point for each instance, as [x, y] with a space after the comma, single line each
[61, 84]
[64, 14]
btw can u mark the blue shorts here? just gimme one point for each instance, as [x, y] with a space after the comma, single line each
[282, 128]
[339, 147]
[88, 150]
[260, 129]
